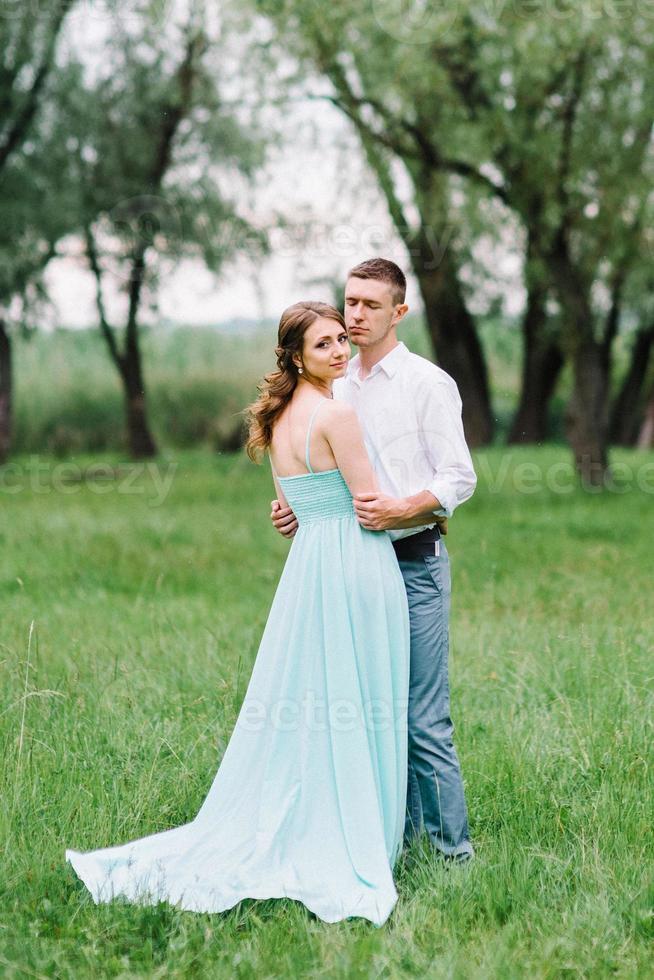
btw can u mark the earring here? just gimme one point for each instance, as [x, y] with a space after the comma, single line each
[300, 371]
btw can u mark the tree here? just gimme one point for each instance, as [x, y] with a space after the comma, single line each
[637, 296]
[646, 434]
[151, 143]
[626, 410]
[28, 237]
[27, 231]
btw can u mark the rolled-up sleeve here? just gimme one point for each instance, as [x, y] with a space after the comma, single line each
[441, 426]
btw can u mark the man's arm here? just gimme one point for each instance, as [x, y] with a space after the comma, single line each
[381, 512]
[281, 514]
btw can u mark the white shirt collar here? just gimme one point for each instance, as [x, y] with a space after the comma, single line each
[389, 363]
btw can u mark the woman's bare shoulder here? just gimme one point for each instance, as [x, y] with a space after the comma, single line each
[336, 412]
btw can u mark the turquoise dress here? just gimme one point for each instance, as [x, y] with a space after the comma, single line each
[309, 799]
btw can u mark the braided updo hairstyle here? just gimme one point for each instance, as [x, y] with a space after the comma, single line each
[276, 389]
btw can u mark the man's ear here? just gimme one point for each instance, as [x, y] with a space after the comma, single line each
[401, 311]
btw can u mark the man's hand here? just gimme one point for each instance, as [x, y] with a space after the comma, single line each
[441, 521]
[283, 518]
[380, 512]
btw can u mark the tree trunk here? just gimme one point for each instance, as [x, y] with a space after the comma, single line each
[587, 415]
[455, 344]
[586, 419]
[626, 412]
[5, 392]
[646, 434]
[141, 441]
[542, 361]
[128, 364]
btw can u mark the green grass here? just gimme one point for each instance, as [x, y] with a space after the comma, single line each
[147, 610]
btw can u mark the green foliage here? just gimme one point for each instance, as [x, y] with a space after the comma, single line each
[487, 106]
[148, 616]
[178, 200]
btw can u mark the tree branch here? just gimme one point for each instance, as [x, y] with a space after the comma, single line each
[569, 117]
[107, 331]
[18, 129]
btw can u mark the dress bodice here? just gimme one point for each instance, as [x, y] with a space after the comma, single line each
[318, 496]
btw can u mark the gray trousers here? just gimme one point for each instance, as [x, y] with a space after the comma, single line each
[435, 797]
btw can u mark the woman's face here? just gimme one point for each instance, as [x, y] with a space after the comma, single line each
[326, 350]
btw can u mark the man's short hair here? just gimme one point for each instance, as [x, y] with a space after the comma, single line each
[385, 271]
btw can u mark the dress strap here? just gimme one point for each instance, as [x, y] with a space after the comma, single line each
[306, 451]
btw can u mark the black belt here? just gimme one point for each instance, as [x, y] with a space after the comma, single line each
[418, 545]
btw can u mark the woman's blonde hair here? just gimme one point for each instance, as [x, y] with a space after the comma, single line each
[276, 389]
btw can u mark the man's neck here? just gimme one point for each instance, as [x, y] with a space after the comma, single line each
[370, 356]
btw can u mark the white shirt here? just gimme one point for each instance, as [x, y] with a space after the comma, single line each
[410, 413]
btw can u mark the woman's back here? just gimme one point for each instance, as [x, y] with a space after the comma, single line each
[319, 435]
[298, 434]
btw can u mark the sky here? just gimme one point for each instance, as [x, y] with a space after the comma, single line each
[317, 179]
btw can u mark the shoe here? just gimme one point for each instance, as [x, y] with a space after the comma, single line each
[458, 859]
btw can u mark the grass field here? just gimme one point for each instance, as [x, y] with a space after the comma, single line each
[148, 591]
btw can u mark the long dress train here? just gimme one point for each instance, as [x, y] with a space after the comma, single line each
[309, 798]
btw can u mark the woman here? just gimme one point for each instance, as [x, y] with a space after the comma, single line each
[309, 798]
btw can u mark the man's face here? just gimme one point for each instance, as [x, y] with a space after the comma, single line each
[370, 313]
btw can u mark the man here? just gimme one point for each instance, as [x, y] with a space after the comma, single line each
[410, 413]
